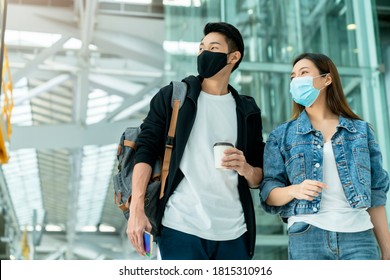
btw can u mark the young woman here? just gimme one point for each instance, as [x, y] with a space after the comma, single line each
[323, 171]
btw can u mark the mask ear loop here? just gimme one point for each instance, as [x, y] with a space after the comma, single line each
[326, 85]
[230, 53]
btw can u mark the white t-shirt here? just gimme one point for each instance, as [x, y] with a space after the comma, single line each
[206, 202]
[335, 214]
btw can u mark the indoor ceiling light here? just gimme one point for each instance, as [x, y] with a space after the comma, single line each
[351, 26]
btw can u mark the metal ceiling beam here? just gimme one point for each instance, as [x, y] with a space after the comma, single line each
[37, 18]
[80, 104]
[352, 84]
[39, 59]
[87, 25]
[73, 197]
[132, 74]
[58, 254]
[43, 88]
[119, 85]
[136, 48]
[101, 66]
[316, 13]
[68, 136]
[134, 108]
[108, 89]
[286, 68]
[73, 23]
[153, 30]
[136, 98]
[81, 91]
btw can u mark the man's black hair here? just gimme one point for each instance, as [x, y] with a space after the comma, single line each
[232, 35]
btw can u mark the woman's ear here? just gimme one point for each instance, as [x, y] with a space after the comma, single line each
[328, 80]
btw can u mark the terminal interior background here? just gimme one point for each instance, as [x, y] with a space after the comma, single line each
[84, 70]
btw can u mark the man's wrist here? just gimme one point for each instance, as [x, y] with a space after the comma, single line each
[137, 203]
[250, 176]
[249, 171]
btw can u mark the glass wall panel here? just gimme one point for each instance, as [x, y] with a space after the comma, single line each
[274, 33]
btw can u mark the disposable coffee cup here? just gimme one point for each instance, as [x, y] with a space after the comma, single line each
[219, 149]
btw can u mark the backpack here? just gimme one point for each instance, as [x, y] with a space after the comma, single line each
[126, 160]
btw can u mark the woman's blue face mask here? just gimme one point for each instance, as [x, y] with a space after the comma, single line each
[302, 90]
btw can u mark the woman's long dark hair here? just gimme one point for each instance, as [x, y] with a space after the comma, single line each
[335, 98]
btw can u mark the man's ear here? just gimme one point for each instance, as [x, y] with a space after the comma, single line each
[234, 57]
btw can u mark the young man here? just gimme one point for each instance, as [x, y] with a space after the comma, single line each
[206, 213]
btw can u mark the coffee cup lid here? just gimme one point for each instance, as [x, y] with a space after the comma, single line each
[224, 144]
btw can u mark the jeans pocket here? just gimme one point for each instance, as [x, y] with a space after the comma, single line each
[298, 228]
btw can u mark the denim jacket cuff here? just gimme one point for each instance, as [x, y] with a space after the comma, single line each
[378, 198]
[266, 189]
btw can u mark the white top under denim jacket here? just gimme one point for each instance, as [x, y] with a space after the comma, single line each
[294, 153]
[335, 214]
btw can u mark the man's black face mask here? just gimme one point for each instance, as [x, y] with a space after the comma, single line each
[210, 63]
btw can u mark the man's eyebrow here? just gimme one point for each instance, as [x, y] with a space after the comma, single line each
[211, 43]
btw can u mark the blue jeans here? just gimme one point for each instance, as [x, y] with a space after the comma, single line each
[307, 242]
[177, 245]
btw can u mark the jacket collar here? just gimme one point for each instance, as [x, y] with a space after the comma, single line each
[303, 123]
[304, 126]
[194, 87]
[348, 124]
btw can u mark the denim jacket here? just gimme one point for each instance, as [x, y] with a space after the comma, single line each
[294, 153]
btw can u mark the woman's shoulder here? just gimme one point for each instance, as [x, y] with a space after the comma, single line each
[359, 122]
[282, 128]
[360, 125]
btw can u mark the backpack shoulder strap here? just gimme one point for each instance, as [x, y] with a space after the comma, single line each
[178, 96]
[179, 92]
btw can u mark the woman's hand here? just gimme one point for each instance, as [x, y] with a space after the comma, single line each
[307, 190]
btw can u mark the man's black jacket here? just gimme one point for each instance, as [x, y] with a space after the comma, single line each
[151, 142]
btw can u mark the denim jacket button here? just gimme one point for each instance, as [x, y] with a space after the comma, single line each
[317, 165]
